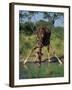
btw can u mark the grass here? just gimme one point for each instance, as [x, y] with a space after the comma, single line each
[30, 70]
[26, 42]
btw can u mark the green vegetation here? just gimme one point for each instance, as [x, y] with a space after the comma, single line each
[50, 70]
[27, 40]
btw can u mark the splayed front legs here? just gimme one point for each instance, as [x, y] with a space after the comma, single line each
[39, 54]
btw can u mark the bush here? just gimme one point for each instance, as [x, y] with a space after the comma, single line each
[26, 43]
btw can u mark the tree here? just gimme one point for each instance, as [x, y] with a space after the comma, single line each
[52, 16]
[27, 15]
[22, 16]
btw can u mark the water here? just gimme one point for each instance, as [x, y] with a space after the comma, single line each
[35, 70]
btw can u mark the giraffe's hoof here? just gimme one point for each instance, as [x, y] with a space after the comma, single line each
[25, 61]
[49, 60]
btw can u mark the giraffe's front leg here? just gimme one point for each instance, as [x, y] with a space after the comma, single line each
[48, 49]
[33, 49]
[53, 50]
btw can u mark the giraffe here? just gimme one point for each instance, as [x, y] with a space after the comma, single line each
[43, 35]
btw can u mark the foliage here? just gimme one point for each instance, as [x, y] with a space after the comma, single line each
[52, 16]
[27, 28]
[27, 40]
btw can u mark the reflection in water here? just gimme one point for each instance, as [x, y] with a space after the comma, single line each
[35, 70]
